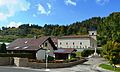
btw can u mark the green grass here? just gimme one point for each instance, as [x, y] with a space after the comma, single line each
[109, 67]
[78, 54]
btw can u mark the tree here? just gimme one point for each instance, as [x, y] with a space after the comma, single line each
[3, 48]
[111, 52]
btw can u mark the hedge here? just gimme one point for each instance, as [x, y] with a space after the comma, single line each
[22, 55]
[87, 52]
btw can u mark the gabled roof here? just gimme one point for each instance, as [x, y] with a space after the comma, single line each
[65, 50]
[29, 43]
[54, 39]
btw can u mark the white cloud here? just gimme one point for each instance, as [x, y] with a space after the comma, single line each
[14, 24]
[34, 15]
[49, 5]
[10, 7]
[102, 2]
[42, 9]
[67, 2]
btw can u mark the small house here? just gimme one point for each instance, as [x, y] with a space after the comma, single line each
[38, 47]
[64, 53]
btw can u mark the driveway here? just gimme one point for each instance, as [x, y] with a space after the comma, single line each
[90, 66]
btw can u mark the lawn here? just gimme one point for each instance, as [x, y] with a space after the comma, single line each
[109, 67]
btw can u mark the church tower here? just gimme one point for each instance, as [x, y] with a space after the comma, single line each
[93, 34]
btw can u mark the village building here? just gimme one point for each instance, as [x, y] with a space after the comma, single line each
[65, 53]
[78, 42]
[37, 47]
[59, 48]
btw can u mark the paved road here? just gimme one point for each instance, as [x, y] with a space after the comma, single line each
[90, 66]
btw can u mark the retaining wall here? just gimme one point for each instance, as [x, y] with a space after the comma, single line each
[54, 65]
[23, 62]
[20, 62]
[5, 61]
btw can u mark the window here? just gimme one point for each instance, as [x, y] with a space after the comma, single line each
[66, 43]
[73, 43]
[93, 45]
[46, 44]
[25, 47]
[76, 46]
[7, 46]
[17, 47]
[92, 33]
[60, 43]
[80, 46]
[80, 43]
[26, 42]
[73, 46]
[85, 46]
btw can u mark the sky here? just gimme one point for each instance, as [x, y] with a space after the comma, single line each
[13, 13]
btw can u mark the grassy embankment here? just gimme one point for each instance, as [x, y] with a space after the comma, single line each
[109, 67]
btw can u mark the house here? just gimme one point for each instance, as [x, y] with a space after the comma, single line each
[64, 53]
[55, 40]
[37, 47]
[78, 42]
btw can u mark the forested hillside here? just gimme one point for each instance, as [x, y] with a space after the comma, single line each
[108, 29]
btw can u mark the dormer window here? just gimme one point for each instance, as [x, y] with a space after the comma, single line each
[17, 47]
[26, 42]
[25, 47]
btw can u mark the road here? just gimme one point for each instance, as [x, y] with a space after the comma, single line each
[90, 66]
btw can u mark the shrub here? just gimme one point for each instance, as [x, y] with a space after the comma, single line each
[50, 58]
[3, 48]
[87, 52]
[22, 55]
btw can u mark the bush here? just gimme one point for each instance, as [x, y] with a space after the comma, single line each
[50, 58]
[22, 55]
[87, 52]
[3, 48]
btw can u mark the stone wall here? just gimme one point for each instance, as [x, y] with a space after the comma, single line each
[23, 62]
[20, 62]
[5, 61]
[54, 65]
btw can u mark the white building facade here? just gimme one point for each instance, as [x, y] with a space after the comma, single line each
[79, 42]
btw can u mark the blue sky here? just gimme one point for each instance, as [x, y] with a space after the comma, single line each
[62, 12]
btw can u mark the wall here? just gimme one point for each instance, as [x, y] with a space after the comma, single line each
[23, 62]
[93, 43]
[20, 62]
[93, 34]
[85, 43]
[4, 61]
[40, 55]
[54, 65]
